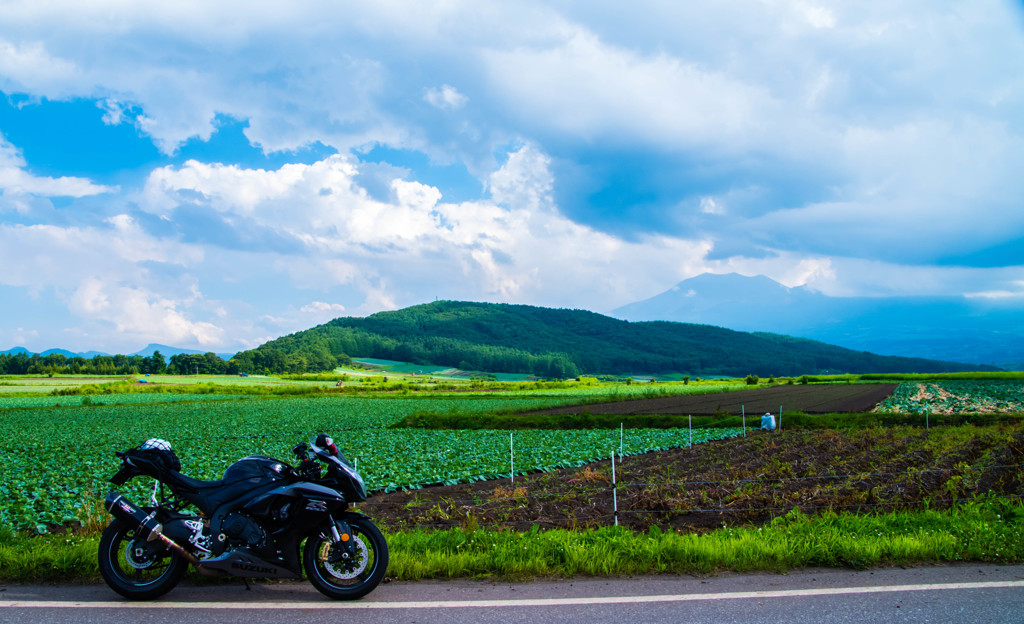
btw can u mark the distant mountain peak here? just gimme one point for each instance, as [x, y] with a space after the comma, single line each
[941, 328]
[165, 350]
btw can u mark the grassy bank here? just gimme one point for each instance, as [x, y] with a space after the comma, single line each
[989, 530]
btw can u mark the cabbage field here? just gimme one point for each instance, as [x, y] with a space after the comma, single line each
[58, 458]
[58, 451]
[956, 397]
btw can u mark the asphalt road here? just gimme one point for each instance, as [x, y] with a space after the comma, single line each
[941, 594]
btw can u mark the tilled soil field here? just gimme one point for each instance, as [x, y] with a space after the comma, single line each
[809, 399]
[742, 481]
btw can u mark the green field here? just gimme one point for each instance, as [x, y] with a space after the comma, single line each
[58, 457]
[59, 450]
[60, 434]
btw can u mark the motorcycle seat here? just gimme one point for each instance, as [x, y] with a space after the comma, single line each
[199, 484]
[209, 495]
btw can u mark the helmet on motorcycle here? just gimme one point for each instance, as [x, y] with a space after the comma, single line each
[325, 442]
[156, 443]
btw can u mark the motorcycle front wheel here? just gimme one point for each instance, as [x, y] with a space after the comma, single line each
[343, 575]
[137, 569]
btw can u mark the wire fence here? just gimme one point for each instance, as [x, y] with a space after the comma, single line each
[421, 509]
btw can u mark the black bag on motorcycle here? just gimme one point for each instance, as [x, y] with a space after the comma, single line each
[158, 453]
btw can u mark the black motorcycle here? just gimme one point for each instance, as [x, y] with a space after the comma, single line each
[251, 523]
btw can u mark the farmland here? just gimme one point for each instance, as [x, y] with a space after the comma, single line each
[740, 481]
[57, 457]
[58, 450]
[809, 399]
[956, 397]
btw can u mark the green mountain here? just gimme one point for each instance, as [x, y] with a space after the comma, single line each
[558, 343]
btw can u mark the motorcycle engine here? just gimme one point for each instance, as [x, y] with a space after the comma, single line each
[243, 531]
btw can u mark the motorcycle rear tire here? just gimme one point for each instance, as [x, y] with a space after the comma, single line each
[142, 577]
[347, 580]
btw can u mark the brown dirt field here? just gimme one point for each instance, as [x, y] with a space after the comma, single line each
[743, 481]
[809, 399]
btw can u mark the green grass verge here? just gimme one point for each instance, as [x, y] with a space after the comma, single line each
[989, 530]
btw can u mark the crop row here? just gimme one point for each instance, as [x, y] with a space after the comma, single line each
[56, 458]
[957, 397]
[109, 399]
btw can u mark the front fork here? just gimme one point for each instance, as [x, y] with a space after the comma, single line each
[343, 547]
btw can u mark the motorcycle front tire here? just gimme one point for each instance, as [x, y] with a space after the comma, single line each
[137, 571]
[351, 578]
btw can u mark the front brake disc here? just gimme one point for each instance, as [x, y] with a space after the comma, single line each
[338, 565]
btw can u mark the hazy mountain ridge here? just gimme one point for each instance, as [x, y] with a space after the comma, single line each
[943, 328]
[559, 343]
[147, 351]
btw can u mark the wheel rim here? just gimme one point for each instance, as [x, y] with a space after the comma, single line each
[135, 563]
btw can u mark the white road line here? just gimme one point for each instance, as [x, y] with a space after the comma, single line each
[528, 602]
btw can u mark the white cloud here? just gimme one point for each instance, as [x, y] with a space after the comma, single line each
[16, 182]
[518, 246]
[816, 15]
[583, 86]
[108, 278]
[65, 256]
[524, 181]
[840, 276]
[30, 67]
[140, 313]
[319, 307]
[996, 294]
[445, 98]
[708, 205]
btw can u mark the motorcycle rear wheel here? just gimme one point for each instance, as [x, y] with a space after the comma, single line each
[352, 578]
[137, 571]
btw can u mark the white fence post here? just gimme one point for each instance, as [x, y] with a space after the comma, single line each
[511, 460]
[615, 492]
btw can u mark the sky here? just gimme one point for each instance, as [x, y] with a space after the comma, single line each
[215, 175]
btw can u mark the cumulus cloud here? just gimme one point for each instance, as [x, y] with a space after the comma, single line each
[922, 191]
[320, 307]
[16, 182]
[445, 98]
[586, 87]
[111, 279]
[517, 245]
[29, 66]
[141, 314]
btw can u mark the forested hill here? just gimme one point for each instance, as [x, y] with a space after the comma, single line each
[558, 343]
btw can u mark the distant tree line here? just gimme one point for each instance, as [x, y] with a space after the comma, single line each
[310, 352]
[60, 364]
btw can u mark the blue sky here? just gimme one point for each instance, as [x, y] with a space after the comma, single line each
[198, 175]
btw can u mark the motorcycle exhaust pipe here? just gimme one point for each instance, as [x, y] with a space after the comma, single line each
[145, 524]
